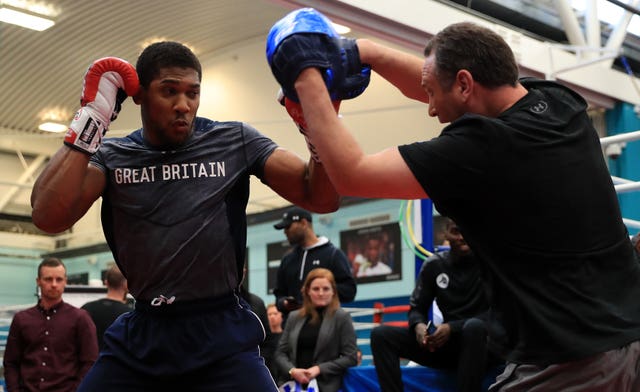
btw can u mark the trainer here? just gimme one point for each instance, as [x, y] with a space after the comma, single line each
[520, 169]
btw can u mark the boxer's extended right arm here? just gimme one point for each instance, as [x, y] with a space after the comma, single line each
[65, 190]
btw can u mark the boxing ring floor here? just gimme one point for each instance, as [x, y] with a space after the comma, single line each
[415, 379]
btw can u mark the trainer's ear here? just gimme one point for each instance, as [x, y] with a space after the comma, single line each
[464, 81]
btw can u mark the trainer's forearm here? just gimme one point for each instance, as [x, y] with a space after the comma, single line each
[339, 151]
[401, 69]
[57, 191]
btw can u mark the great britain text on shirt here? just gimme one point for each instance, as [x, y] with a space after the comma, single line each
[169, 172]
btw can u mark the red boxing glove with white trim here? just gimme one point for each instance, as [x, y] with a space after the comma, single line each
[107, 83]
[295, 112]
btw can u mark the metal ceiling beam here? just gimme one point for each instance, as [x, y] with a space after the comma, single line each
[616, 39]
[27, 175]
[631, 8]
[570, 22]
[592, 27]
[29, 143]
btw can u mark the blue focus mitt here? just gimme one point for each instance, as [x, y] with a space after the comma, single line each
[305, 38]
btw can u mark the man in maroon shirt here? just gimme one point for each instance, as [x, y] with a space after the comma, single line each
[53, 344]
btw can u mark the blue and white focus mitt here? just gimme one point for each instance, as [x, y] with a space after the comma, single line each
[305, 38]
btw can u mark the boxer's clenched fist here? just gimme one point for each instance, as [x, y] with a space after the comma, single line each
[107, 83]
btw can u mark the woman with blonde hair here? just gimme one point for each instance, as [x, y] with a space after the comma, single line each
[318, 341]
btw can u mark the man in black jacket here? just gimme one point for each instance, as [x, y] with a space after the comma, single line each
[453, 279]
[309, 252]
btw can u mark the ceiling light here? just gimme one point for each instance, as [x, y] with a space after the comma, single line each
[54, 119]
[341, 29]
[24, 18]
[53, 127]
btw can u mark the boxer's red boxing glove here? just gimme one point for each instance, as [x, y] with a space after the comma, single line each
[106, 84]
[295, 112]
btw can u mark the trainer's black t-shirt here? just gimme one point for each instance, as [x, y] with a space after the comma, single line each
[532, 195]
[175, 220]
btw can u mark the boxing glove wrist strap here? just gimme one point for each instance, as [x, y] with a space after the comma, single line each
[85, 132]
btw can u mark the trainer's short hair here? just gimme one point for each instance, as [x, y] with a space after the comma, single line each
[476, 49]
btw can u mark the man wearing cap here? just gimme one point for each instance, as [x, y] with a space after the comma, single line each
[309, 252]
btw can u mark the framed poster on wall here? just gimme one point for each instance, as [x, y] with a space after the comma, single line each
[374, 252]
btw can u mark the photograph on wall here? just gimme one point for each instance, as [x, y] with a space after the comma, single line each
[81, 278]
[275, 253]
[374, 252]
